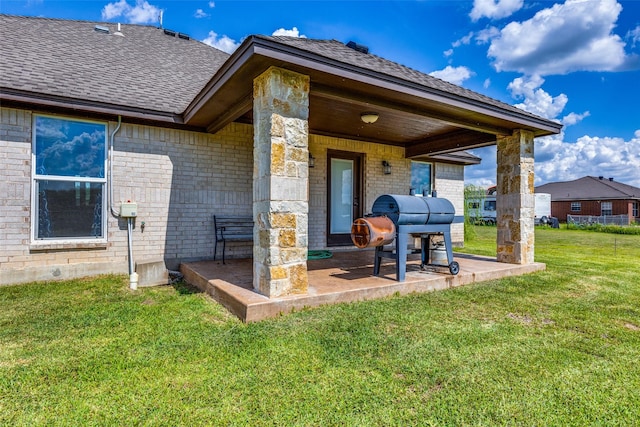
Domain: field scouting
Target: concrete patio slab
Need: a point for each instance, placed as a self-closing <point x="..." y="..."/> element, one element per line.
<point x="345" y="277"/>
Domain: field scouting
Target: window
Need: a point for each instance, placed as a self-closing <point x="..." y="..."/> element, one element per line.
<point x="636" y="209"/>
<point x="606" y="208"/>
<point x="421" y="177"/>
<point x="576" y="206"/>
<point x="69" y="161"/>
<point x="490" y="205"/>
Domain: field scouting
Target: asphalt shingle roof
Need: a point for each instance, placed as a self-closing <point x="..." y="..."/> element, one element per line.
<point x="149" y="70"/>
<point x="145" y="69"/>
<point x="338" y="51"/>
<point x="589" y="188"/>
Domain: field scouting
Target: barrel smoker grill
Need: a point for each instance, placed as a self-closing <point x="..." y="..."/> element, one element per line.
<point x="398" y="217"/>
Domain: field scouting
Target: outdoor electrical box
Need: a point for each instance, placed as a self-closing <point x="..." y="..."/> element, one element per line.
<point x="128" y="210"/>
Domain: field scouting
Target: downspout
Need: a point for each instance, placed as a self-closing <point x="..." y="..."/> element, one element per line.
<point x="113" y="135"/>
<point x="133" y="276"/>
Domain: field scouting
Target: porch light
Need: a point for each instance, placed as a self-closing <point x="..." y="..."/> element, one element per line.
<point x="369" y="117"/>
<point x="312" y="160"/>
<point x="386" y="167"/>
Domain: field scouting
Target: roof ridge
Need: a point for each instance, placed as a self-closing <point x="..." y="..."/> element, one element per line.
<point x="80" y="21"/>
<point x="616" y="186"/>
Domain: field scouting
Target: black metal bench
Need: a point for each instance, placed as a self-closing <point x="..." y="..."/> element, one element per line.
<point x="233" y="229"/>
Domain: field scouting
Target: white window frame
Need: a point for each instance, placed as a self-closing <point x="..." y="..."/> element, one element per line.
<point x="67" y="242"/>
<point x="606" y="206"/>
<point x="635" y="209"/>
<point x="576" y="206"/>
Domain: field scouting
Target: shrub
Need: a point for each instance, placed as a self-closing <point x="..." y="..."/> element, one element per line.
<point x="614" y="229"/>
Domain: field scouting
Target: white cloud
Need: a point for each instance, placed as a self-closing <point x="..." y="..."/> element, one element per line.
<point x="574" y="36"/>
<point x="487" y="83"/>
<point x="200" y="14"/>
<point x="141" y="13"/>
<point x="535" y="99"/>
<point x="494" y="9"/>
<point x="455" y="75"/>
<point x="595" y="156"/>
<point x="212" y="4"/>
<point x="448" y="52"/>
<point x="291" y="33"/>
<point x="462" y="41"/>
<point x="634" y="36"/>
<point x="574" y="118"/>
<point x="224" y="43"/>
<point x="558" y="160"/>
<point x="486" y="35"/>
<point x="114" y="10"/>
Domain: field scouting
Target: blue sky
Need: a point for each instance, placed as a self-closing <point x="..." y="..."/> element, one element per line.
<point x="574" y="61"/>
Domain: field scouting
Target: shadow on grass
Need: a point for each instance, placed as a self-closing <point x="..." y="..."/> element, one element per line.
<point x="184" y="288"/>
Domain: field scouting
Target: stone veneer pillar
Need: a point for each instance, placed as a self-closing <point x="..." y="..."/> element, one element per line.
<point x="515" y="198"/>
<point x="280" y="182"/>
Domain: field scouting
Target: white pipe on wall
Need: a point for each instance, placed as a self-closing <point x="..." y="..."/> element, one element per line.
<point x="110" y="180"/>
<point x="133" y="276"/>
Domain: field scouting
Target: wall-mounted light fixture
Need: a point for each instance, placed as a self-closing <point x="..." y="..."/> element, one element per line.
<point x="386" y="167"/>
<point x="369" y="117"/>
<point x="312" y="160"/>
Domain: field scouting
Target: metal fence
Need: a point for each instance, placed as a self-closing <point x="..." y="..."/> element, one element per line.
<point x="603" y="219"/>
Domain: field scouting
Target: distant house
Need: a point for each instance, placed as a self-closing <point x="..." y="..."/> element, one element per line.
<point x="98" y="118"/>
<point x="592" y="195"/>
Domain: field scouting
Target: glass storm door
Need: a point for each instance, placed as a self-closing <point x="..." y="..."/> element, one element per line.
<point x="344" y="195"/>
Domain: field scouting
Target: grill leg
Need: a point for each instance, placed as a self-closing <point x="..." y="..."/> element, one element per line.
<point x="425" y="243"/>
<point x="447" y="243"/>
<point x="401" y="254"/>
<point x="376" y="261"/>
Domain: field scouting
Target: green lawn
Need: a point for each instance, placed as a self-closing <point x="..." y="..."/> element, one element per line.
<point x="560" y="347"/>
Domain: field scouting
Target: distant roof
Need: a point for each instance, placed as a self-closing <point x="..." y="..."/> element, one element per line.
<point x="146" y="68"/>
<point x="589" y="188"/>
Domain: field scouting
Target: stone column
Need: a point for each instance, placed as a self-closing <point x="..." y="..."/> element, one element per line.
<point x="280" y="182"/>
<point x="515" y="198"/>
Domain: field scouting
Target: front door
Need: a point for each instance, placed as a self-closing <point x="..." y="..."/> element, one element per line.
<point x="344" y="195"/>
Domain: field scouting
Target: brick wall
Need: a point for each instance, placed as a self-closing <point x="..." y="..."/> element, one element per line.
<point x="179" y="180"/>
<point x="449" y="181"/>
<point x="15" y="185"/>
<point x="561" y="209"/>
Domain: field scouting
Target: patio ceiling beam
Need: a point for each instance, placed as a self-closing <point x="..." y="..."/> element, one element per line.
<point x="369" y="139"/>
<point x="244" y="105"/>
<point x="458" y="140"/>
<point x="368" y="102"/>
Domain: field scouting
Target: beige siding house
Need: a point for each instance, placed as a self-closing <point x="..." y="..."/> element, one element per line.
<point x="90" y="119"/>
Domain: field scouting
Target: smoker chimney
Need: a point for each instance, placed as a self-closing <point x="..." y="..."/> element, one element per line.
<point x="610" y="179"/>
<point x="601" y="178"/>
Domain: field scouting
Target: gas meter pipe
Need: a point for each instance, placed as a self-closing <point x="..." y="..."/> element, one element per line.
<point x="133" y="276"/>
